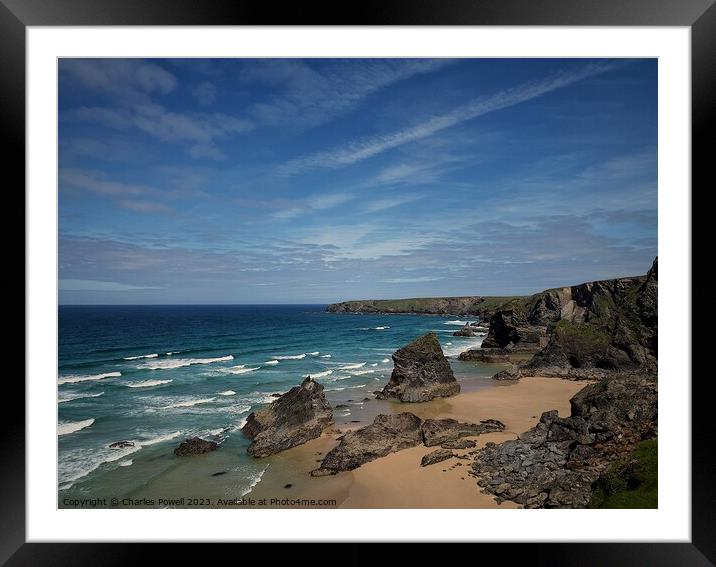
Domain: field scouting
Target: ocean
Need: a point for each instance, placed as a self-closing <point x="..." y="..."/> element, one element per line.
<point x="155" y="375"/>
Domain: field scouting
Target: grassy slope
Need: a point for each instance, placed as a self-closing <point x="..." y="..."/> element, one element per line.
<point x="635" y="488"/>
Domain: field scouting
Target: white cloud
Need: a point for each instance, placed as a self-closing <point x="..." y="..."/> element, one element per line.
<point x="362" y="149"/>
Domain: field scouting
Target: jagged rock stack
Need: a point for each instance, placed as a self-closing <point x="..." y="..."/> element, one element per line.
<point x="420" y="373"/>
<point x="299" y="415"/>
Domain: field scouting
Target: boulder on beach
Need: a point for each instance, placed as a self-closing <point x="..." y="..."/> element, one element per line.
<point x="436" y="457"/>
<point x="387" y="434"/>
<point x="438" y="431"/>
<point x="195" y="446"/>
<point x="420" y="372"/>
<point x="299" y="415"/>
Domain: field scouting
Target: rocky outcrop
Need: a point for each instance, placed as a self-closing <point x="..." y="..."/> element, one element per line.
<point x="482" y="307"/>
<point x="299" y="415"/>
<point x="513" y="329"/>
<point x="121" y="444"/>
<point x="438" y="431"/>
<point x="420" y="373"/>
<point x="489" y="355"/>
<point x="195" y="446"/>
<point x="387" y="434"/>
<point x="555" y="464"/>
<point x="436" y="457"/>
<point x="466" y="331"/>
<point x="609" y="325"/>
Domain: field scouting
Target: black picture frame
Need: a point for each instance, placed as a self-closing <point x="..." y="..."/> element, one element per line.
<point x="699" y="15"/>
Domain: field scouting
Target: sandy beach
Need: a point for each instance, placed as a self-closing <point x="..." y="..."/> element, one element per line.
<point x="398" y="480"/>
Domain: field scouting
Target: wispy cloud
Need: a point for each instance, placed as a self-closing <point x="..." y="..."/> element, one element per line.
<point x="312" y="96"/>
<point x="363" y="149"/>
<point x="312" y="204"/>
<point x="129" y="196"/>
<point x="96" y="183"/>
<point x="95" y="285"/>
<point x="390" y="202"/>
<point x="198" y="131"/>
<point x="128" y="79"/>
<point x="145" y="206"/>
<point x="205" y="93"/>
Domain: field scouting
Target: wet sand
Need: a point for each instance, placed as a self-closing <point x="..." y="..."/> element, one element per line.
<point x="398" y="480"/>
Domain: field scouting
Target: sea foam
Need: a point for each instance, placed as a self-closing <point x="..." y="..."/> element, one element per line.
<point x="318" y="374"/>
<point x="291" y="357"/>
<point x="71" y="426"/>
<point x="352" y="366"/>
<point x="72" y="396"/>
<point x="147" y="383"/>
<point x="189" y="403"/>
<point x="154" y="355"/>
<point x="181" y="362"/>
<point x="73" y="379"/>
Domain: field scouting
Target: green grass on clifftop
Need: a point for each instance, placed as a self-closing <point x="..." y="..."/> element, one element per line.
<point x="631" y="482"/>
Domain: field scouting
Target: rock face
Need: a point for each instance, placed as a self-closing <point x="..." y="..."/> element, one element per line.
<point x="554" y="464"/>
<point x="436" y="457"/>
<point x="195" y="446"/>
<point x="482" y="307"/>
<point x="608" y="324"/>
<point x="490" y="355"/>
<point x="420" y="373"/>
<point x="387" y="434"/>
<point x="438" y="431"/>
<point x="299" y="415"/>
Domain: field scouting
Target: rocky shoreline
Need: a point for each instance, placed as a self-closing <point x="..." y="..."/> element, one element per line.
<point x="602" y="332"/>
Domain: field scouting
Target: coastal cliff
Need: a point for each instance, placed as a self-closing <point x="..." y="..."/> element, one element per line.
<point x="607" y="324"/>
<point x="476" y="306"/>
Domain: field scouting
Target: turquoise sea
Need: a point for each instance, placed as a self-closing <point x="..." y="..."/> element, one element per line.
<point x="154" y="375"/>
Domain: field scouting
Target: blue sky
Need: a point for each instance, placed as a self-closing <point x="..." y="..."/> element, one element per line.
<point x="319" y="180"/>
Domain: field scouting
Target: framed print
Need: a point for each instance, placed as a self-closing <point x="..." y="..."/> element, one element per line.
<point x="292" y="278"/>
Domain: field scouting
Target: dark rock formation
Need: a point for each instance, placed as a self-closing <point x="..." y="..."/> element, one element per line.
<point x="587" y="331"/>
<point x="299" y="415"/>
<point x="195" y="446"/>
<point x="459" y="444"/>
<point x="466" y="331"/>
<point x="514" y="329"/>
<point x="482" y="307"/>
<point x="491" y="355"/>
<point x="387" y="434"/>
<point x="436" y="457"/>
<point x="555" y="463"/>
<point x="438" y="431"/>
<point x="121" y="444"/>
<point x="420" y="373"/>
